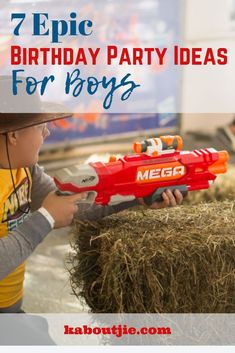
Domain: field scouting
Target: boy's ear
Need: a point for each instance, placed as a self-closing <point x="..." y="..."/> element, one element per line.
<point x="12" y="138"/>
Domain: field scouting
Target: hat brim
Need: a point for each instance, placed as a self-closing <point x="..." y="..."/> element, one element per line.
<point x="17" y="121"/>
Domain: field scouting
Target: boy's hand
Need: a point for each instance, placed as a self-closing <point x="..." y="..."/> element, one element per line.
<point x="170" y="199"/>
<point x="62" y="208"/>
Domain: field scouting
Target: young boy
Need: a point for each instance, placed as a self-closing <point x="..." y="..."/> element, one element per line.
<point x="29" y="206"/>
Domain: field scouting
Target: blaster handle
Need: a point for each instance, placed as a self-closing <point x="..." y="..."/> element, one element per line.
<point x="157" y="195"/>
<point x="91" y="195"/>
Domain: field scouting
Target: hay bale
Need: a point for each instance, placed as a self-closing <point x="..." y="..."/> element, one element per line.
<point x="179" y="260"/>
<point x="222" y="189"/>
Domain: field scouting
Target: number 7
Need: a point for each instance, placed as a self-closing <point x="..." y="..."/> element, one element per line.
<point x="20" y="16"/>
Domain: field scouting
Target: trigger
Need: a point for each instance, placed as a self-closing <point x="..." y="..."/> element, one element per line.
<point x="91" y="195"/>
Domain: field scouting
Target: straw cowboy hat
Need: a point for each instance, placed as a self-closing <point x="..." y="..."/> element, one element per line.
<point x="32" y="110"/>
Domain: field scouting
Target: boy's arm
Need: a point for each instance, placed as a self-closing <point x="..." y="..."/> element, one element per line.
<point x="42" y="185"/>
<point x="20" y="243"/>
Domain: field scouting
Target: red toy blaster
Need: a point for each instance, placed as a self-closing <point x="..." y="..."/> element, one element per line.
<point x="157" y="164"/>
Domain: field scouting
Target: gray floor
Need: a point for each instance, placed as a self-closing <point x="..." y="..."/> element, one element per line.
<point x="47" y="287"/>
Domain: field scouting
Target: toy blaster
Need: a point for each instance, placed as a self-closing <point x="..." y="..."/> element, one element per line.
<point x="157" y="164"/>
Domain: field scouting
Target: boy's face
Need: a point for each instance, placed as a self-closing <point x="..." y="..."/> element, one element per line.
<point x="30" y="142"/>
<point x="24" y="145"/>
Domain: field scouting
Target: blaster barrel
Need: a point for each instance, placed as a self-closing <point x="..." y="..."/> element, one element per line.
<point x="220" y="166"/>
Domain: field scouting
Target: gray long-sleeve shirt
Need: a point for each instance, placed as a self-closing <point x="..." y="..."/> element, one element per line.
<point x="20" y="243"/>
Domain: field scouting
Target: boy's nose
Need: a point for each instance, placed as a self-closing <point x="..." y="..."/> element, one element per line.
<point x="46" y="132"/>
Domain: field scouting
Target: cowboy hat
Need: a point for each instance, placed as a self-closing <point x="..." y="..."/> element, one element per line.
<point x="34" y="110"/>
